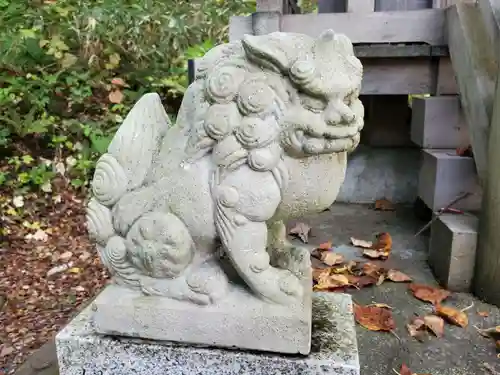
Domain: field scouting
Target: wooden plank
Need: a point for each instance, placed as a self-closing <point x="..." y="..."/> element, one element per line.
<point x="475" y="68"/>
<point x="385" y="5"/>
<point x="404" y="50"/>
<point x="425" y="26"/>
<point x="446" y="80"/>
<point x="360" y="6"/>
<point x="332" y="6"/>
<point x="486" y="281"/>
<point x="396" y="76"/>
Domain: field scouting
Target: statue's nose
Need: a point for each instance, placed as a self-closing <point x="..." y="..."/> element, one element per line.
<point x="338" y="112"/>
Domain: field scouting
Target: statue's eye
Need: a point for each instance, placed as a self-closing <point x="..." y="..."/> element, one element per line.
<point x="313" y="104"/>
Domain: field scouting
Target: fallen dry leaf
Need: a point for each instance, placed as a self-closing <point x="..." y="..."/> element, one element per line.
<point x="318" y="273"/>
<point x="325" y="246"/>
<point x="493" y="332"/>
<point x="331" y="282"/>
<point x="375" y="254"/>
<point x="383" y="242"/>
<point x="397" y="276"/>
<point x="301" y="231"/>
<point x="381" y="305"/>
<point x="453" y="315"/>
<point x="366" y="280"/>
<point x="428" y="293"/>
<point x="115" y="96"/>
<point x="331" y="259"/>
<point x="435" y="324"/>
<point x="371" y="269"/>
<point x="361" y="243"/>
<point x="384" y="205"/>
<point x="484" y="314"/>
<point x="417" y="328"/>
<point x="374" y="318"/>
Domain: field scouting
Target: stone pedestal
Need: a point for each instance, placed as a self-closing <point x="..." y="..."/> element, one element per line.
<point x="240" y="320"/>
<point x="334" y="350"/>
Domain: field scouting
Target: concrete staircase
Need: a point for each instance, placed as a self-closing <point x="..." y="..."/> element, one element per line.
<point x="439" y="128"/>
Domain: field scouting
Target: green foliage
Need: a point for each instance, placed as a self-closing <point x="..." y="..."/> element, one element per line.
<point x="70" y="70"/>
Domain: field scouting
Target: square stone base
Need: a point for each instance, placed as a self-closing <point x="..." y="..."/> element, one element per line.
<point x="334" y="350"/>
<point x="239" y="321"/>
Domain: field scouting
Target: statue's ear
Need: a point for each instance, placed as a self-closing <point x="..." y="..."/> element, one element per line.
<point x="341" y="42"/>
<point x="274" y="51"/>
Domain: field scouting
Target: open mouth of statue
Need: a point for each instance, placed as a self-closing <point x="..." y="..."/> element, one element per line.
<point x="313" y="140"/>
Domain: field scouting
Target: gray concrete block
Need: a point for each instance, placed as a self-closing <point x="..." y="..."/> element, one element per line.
<point x="334" y="350"/>
<point x="238" y="321"/>
<point x="444" y="176"/>
<point x="376" y="173"/>
<point x="437" y="122"/>
<point x="452" y="250"/>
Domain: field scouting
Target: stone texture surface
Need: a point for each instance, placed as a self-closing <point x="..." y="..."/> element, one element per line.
<point x="438" y="122"/>
<point x="236" y="321"/>
<point x="334" y="350"/>
<point x="444" y="176"/>
<point x="452" y="250"/>
<point x="262" y="135"/>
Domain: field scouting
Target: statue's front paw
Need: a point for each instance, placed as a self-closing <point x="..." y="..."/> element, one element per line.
<point x="293" y="258"/>
<point x="280" y="286"/>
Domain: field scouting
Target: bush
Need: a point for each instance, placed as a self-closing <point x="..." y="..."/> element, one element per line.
<point x="70" y="70"/>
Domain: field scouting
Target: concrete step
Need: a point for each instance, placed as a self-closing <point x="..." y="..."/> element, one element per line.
<point x="452" y="250"/>
<point x="437" y="122"/>
<point x="445" y="176"/>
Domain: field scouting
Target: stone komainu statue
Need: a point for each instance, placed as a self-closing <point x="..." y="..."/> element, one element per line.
<point x="262" y="136"/>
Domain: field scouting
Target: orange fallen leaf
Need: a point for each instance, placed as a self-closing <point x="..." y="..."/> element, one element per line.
<point x="435" y="324"/>
<point x="384" y="205"/>
<point x="371" y="269"/>
<point x="331" y="258"/>
<point x="383" y="242"/>
<point x="331" y="282"/>
<point x="484" y="314"/>
<point x="374" y="318"/>
<point x="375" y="254"/>
<point x="325" y="246"/>
<point x="365" y="281"/>
<point x="452" y="315"/>
<point x="361" y="243"/>
<point x="428" y="293"/>
<point x="301" y="231"/>
<point x="115" y="96"/>
<point x="397" y="276"/>
<point x="318" y="273"/>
